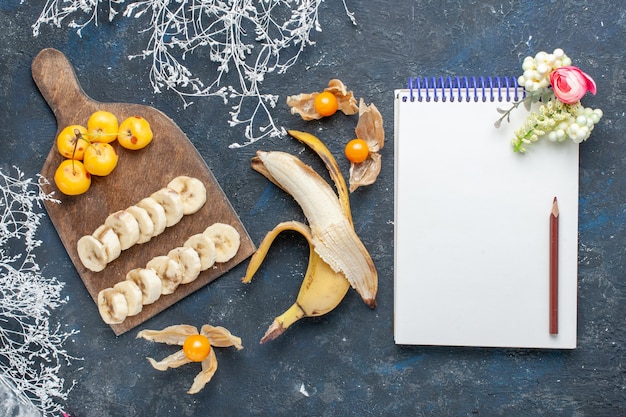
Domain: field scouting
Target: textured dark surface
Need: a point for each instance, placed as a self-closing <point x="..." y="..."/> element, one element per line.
<point x="346" y="362"/>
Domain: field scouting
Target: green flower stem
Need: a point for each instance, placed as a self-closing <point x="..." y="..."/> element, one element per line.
<point x="550" y="115"/>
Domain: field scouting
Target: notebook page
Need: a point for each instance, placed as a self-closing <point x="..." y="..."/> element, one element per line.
<point x="472" y="229"/>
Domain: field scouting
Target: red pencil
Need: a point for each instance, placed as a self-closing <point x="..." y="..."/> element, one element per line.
<point x="554" y="268"/>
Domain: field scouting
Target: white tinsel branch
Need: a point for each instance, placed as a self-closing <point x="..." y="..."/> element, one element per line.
<point x="244" y="39"/>
<point x="31" y="347"/>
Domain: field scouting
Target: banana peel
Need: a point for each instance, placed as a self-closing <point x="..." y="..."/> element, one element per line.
<point x="338" y="259"/>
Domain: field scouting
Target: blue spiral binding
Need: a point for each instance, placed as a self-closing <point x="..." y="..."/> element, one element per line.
<point x="464" y="89"/>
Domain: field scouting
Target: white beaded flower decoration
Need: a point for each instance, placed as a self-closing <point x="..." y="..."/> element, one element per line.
<point x="551" y="79"/>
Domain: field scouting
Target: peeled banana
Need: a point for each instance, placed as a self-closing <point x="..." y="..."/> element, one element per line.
<point x="93" y="253"/>
<point x="169" y="271"/>
<point x="191" y="191"/>
<point x="156" y="212"/>
<point x="141" y="222"/>
<point x="112" y="305"/>
<point x="226" y="240"/>
<point x="172" y="202"/>
<point x="144" y="222"/>
<point x="148" y="282"/>
<point x="125" y="227"/>
<point x="133" y="295"/>
<point x="337" y="259"/>
<point x="110" y="241"/>
<point x="163" y="274"/>
<point x="190" y="260"/>
<point x="205" y="247"/>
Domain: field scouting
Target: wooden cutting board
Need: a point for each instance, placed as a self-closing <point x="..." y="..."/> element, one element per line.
<point x="137" y="175"/>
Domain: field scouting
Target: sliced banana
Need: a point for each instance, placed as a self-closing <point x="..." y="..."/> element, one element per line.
<point x="189" y="261"/>
<point x="205" y="248"/>
<point x="112" y="306"/>
<point x="148" y="282"/>
<point x="156" y="213"/>
<point x="125" y="227"/>
<point x="133" y="295"/>
<point x="172" y="203"/>
<point x="226" y="240"/>
<point x="169" y="271"/>
<point x="192" y="192"/>
<point x="109" y="239"/>
<point x="92" y="253"/>
<point x="146" y="226"/>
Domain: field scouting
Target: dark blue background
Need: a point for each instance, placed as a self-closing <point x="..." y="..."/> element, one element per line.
<point x="346" y="362"/>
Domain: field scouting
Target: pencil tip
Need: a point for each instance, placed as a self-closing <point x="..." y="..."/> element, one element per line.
<point x="555" y="207"/>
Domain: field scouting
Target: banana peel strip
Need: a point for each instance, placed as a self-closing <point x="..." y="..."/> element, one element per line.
<point x="259" y="256"/>
<point x="329" y="160"/>
<point x="175" y="335"/>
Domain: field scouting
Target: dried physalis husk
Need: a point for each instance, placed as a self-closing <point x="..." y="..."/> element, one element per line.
<point x="303" y="104"/>
<point x="370" y="129"/>
<point x="176" y="335"/>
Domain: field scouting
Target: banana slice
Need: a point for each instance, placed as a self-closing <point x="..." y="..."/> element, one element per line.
<point x="192" y="191"/>
<point x="146" y="226"/>
<point x="133" y="295"/>
<point x="205" y="248"/>
<point x="125" y="227"/>
<point x="189" y="261"/>
<point x="226" y="240"/>
<point x="148" y="282"/>
<point x="172" y="203"/>
<point x="112" y="306"/>
<point x="169" y="271"/>
<point x="92" y="253"/>
<point x="109" y="239"/>
<point x="156" y="213"/>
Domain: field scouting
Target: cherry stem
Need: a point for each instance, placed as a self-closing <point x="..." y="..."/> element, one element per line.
<point x="78" y="137"/>
<point x="73" y="167"/>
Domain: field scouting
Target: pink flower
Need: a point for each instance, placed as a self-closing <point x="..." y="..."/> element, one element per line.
<point x="570" y="84"/>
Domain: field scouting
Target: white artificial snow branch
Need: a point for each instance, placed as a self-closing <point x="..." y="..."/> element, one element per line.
<point x="245" y="40"/>
<point x="31" y="347"/>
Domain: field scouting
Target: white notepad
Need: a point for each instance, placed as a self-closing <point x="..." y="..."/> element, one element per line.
<point x="472" y="225"/>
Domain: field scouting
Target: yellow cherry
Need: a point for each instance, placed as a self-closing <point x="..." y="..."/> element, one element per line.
<point x="100" y="159"/>
<point x="102" y="126"/>
<point x="134" y="133"/>
<point x="72" y="142"/>
<point x="71" y="177"/>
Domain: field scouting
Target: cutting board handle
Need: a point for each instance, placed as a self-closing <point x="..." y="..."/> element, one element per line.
<point x="55" y="77"/>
